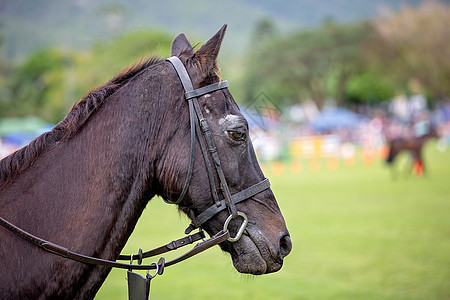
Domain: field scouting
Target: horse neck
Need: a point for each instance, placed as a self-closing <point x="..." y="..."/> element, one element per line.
<point x="86" y="193"/>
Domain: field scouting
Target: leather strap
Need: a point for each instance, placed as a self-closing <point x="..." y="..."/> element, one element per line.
<point x="64" y="252"/>
<point x="182" y="73"/>
<point x="206" y="158"/>
<point x="198" y="248"/>
<point x="187" y="83"/>
<point x="236" y="198"/>
<point x="166" y="248"/>
<point x="191" y="157"/>
<point x="213" y="152"/>
<point x="197" y="122"/>
<point x="207" y="145"/>
<point x="206" y="90"/>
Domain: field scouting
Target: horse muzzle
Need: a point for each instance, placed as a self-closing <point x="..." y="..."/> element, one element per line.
<point x="256" y="253"/>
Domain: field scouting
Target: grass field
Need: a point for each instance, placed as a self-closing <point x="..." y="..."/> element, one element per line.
<point x="357" y="234"/>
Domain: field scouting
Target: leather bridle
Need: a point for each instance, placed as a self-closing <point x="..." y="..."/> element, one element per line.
<point x="198" y="125"/>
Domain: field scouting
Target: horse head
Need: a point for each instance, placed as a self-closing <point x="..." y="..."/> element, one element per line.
<point x="265" y="241"/>
<point x="85" y="183"/>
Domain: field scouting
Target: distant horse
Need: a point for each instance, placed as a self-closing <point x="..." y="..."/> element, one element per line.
<point x="414" y="145"/>
<point x="84" y="184"/>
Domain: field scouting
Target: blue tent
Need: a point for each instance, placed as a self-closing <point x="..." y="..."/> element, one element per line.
<point x="21" y="131"/>
<point x="19" y="138"/>
<point x="336" y="118"/>
<point x="254" y="119"/>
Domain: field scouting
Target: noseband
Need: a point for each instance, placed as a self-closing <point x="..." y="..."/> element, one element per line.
<point x="199" y="125"/>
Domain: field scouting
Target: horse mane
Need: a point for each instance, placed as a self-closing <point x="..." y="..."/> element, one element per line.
<point x="20" y="160"/>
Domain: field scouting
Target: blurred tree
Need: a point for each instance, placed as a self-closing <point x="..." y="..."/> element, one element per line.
<point x="415" y="44"/>
<point x="313" y="64"/>
<point x="113" y="16"/>
<point x="360" y="62"/>
<point x="50" y="81"/>
<point x="5" y="70"/>
<point x="368" y="88"/>
<point x="36" y="86"/>
<point x="107" y="59"/>
<point x="264" y="30"/>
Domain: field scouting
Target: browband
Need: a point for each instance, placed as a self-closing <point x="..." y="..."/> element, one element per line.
<point x="206" y="89"/>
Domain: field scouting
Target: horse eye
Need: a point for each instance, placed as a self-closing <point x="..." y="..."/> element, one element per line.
<point x="236" y="135"/>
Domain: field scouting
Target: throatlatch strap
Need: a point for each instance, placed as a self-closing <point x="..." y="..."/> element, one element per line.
<point x="191" y="156"/>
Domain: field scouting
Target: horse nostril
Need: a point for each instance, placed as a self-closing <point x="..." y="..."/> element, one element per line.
<point x="285" y="245"/>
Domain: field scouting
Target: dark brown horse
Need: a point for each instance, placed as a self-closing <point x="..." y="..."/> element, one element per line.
<point x="85" y="184"/>
<point x="414" y="145"/>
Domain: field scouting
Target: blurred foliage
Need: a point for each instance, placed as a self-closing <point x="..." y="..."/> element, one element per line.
<point x="107" y="59"/>
<point x="367" y="62"/>
<point x="313" y="64"/>
<point x="414" y="45"/>
<point x="36" y="87"/>
<point x="368" y="88"/>
<point x="51" y="80"/>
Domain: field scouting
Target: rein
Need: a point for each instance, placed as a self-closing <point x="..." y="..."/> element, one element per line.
<point x="200" y="130"/>
<point x="66" y="253"/>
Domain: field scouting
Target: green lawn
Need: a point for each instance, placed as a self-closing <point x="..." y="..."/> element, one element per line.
<point x="357" y="234"/>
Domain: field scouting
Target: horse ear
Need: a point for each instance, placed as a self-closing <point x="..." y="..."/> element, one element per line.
<point x="209" y="51"/>
<point x="181" y="45"/>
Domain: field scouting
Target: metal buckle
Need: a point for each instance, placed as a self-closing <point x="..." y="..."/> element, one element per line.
<point x="241" y="229"/>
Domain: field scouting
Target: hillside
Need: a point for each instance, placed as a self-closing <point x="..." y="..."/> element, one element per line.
<point x="29" y="25"/>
